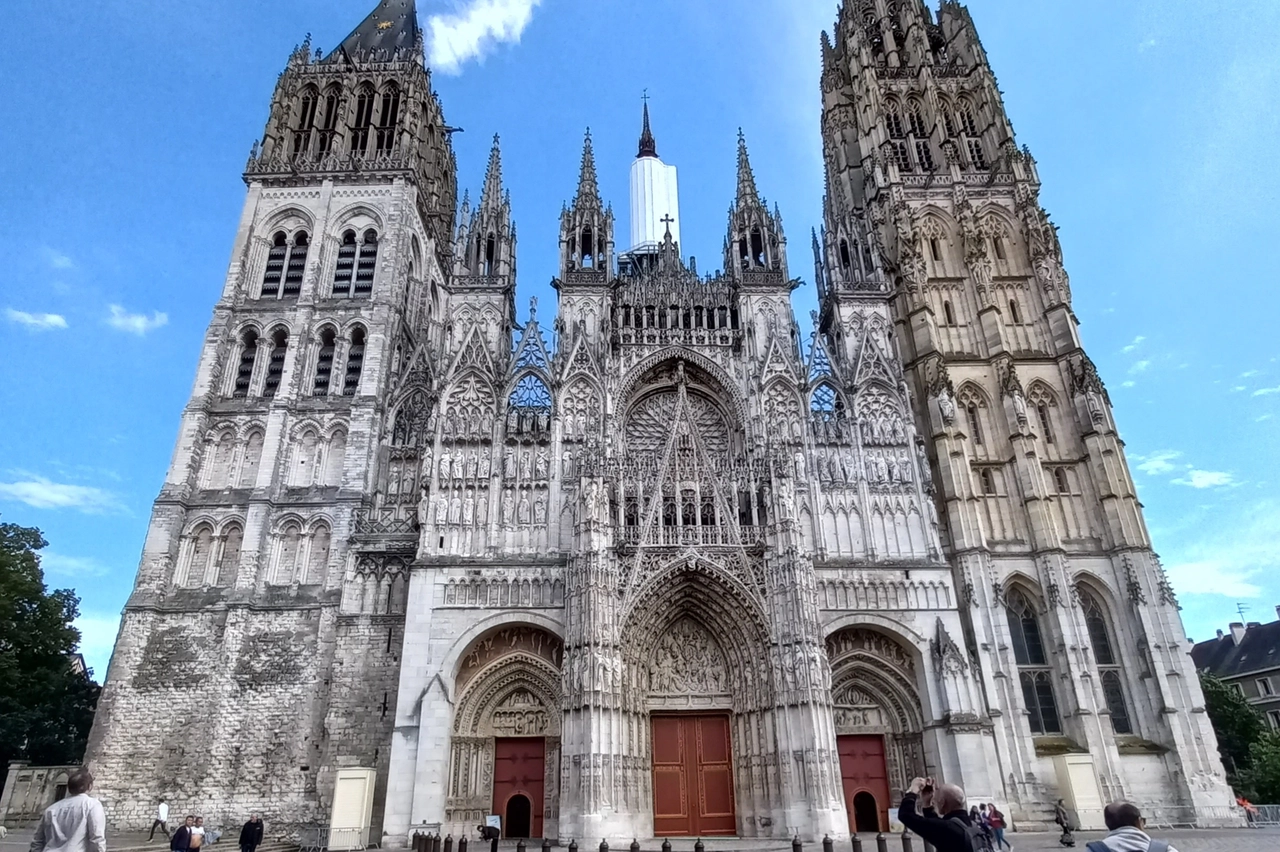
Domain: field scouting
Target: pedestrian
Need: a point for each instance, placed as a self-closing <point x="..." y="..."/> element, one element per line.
<point x="161" y="821"/>
<point x="75" y="824"/>
<point x="953" y="831"/>
<point x="976" y="817"/>
<point x="1063" y="819"/>
<point x="197" y="834"/>
<point x="996" y="820"/>
<point x="251" y="834"/>
<point x="181" y="840"/>
<point x="1126" y="825"/>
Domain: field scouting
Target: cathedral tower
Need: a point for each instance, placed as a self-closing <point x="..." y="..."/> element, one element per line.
<point x="1082" y="653"/>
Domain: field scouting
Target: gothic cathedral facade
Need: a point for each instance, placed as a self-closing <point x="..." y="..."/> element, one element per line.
<point x="671" y="566"/>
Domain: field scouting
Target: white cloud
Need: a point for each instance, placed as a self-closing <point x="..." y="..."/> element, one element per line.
<point x="1205" y="479"/>
<point x="1134" y="345"/>
<point x="1261" y="418"/>
<point x="1128" y="384"/>
<point x="138" y="324"/>
<point x="1157" y="463"/>
<point x="41" y="493"/>
<point x="473" y="30"/>
<point x="71" y="566"/>
<point x="1266" y="391"/>
<point x="1146" y="44"/>
<point x="1139" y="367"/>
<point x="97" y="639"/>
<point x="57" y="259"/>
<point x="1212" y="577"/>
<point x="37" y="322"/>
<point x="1238" y="388"/>
<point x="1249" y="374"/>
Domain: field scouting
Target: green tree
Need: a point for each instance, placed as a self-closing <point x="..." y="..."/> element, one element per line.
<point x="46" y="706"/>
<point x="1261" y="781"/>
<point x="1237" y="725"/>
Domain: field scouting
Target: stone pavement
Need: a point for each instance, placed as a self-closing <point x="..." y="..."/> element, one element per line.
<point x="1184" y="840"/>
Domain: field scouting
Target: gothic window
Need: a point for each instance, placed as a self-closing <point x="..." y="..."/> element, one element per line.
<point x="296" y="266"/>
<point x="1042" y="400"/>
<point x="318" y="556"/>
<point x="588" y="249"/>
<point x="306" y="120"/>
<point x="668" y="508"/>
<point x="334" y="457"/>
<point x="355" y="362"/>
<point x="826" y="400"/>
<point x="631" y="511"/>
<point x="976" y="155"/>
<point x="924" y="156"/>
<point x="1060" y="482"/>
<point x="987" y="480"/>
<point x="252" y="458"/>
<point x="229" y="559"/>
<point x="529" y="405"/>
<point x="199" y="552"/>
<point x="324" y="362"/>
<point x="915" y="119"/>
<point x="844" y="253"/>
<point x="328" y="121"/>
<point x="388" y="117"/>
<point x="935" y="251"/>
<point x="893" y="119"/>
<point x="899" y="155"/>
<point x="975" y="422"/>
<point x="366" y="264"/>
<point x="708" y="509"/>
<point x="948" y="118"/>
<point x="216" y="470"/>
<point x="967" y="121"/>
<point x="757" y="247"/>
<point x="248" y="356"/>
<point x="275" y="363"/>
<point x="275" y="265"/>
<point x="688" y="507"/>
<point x="1033" y="672"/>
<point x="345" y="269"/>
<point x="490" y="254"/>
<point x="1014" y="316"/>
<point x="997" y="243"/>
<point x="1108" y="663"/>
<point x="363" y="119"/>
<point x="305" y="456"/>
<point x="1046" y="422"/>
<point x="288" y="545"/>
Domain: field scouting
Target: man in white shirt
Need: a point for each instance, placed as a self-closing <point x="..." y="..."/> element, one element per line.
<point x="162" y="818"/>
<point x="75" y="824"/>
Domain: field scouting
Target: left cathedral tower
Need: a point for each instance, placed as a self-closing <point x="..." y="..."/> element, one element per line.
<point x="235" y="681"/>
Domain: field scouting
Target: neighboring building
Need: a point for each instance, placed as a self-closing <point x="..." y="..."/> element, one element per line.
<point x="686" y="547"/>
<point x="28" y="790"/>
<point x="1248" y="658"/>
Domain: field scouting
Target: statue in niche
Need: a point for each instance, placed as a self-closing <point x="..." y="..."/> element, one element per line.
<point x="947" y="406"/>
<point x="508" y="508"/>
<point x="513" y="421"/>
<point x="899" y="431"/>
<point x="486" y="463"/>
<point x="566" y="465"/>
<point x="544" y="422"/>
<point x="1020" y="407"/>
<point x="455" y="510"/>
<point x="800" y="466"/>
<point x="541" y="465"/>
<point x="459" y="466"/>
<point x="540" y="510"/>
<point x="444" y="466"/>
<point x="526" y="466"/>
<point x="1093" y="400"/>
<point x="424" y="507"/>
<point x="473" y="464"/>
<point x="469" y="509"/>
<point x="442" y="510"/>
<point x="509" y="463"/>
<point x="891" y="473"/>
<point x="522" y="509"/>
<point x="428" y="465"/>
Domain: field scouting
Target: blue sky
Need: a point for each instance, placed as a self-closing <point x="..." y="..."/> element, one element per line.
<point x="125" y="125"/>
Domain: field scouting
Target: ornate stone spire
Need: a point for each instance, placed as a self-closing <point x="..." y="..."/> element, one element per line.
<point x="588" y="189"/>
<point x="648" y="145"/>
<point x="491" y="195"/>
<point x="747" y="193"/>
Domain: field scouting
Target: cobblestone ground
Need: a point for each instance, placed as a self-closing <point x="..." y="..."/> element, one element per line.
<point x="1184" y="840"/>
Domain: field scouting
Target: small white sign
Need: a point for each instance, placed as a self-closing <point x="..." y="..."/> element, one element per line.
<point x="493" y="821"/>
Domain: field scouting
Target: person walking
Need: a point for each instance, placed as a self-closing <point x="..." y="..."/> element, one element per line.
<point x="181" y="840"/>
<point x="75" y="824"/>
<point x="161" y="821"/>
<point x="996" y="820"/>
<point x="953" y="831"/>
<point x="251" y="834"/>
<point x="1126" y="825"/>
<point x="1063" y="819"/>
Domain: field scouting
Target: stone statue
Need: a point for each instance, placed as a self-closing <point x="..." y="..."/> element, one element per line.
<point x="541" y="466"/>
<point x="509" y="463"/>
<point x="540" y="510"/>
<point x="442" y="510"/>
<point x="526" y="466"/>
<point x="444" y="466"/>
<point x="508" y="508"/>
<point x="1020" y="407"/>
<point x="455" y="510"/>
<point x="800" y="466"/>
<point x="469" y="510"/>
<point x="522" y="510"/>
<point x="486" y="463"/>
<point x="947" y="406"/>
<point x="473" y="464"/>
<point x="566" y="465"/>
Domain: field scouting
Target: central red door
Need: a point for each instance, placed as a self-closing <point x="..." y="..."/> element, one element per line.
<point x="519" y="773"/>
<point x="692" y="776"/>
<point x="866" y="781"/>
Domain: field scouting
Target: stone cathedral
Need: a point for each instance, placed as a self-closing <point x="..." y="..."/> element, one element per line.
<point x="671" y="564"/>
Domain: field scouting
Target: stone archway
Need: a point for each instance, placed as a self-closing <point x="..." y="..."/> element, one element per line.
<point x="507" y="718"/>
<point x="878" y="718"/>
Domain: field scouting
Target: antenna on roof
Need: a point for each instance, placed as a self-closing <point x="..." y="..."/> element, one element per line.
<point x="1242" y="608"/>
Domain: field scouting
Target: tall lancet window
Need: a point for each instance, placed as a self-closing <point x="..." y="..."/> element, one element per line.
<point x="306" y="120"/>
<point x="363" y="120"/>
<point x="357" y="261"/>
<point x="275" y="364"/>
<point x="388" y="117"/>
<point x="1034" y="673"/>
<point x="248" y="357"/>
<point x="1108" y="663"/>
<point x="355" y="363"/>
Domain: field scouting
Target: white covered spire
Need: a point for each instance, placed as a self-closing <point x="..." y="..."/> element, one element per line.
<point x="655" y="204"/>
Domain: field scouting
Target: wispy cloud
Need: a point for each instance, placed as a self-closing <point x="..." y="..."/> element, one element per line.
<point x="1195" y="478"/>
<point x="1139" y="367"/>
<point x="1230" y="558"/>
<point x="1128" y="384"/>
<point x="1261" y="418"/>
<point x="42" y="493"/>
<point x="1146" y="44"/>
<point x="1249" y="374"/>
<point x="71" y="566"/>
<point x="1137" y="341"/>
<point x="138" y="324"/>
<point x="57" y="259"/>
<point x="1266" y="391"/>
<point x="474" y="30"/>
<point x="1213" y="577"/>
<point x="1157" y="463"/>
<point x="36" y="322"/>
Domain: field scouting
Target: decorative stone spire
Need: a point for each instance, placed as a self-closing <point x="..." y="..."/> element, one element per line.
<point x="491" y="195"/>
<point x="648" y="145"/>
<point x="747" y="193"/>
<point x="588" y="189"/>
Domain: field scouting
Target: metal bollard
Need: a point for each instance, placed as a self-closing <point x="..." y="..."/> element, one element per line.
<point x="857" y="843"/>
<point x="635" y="845"/>
<point x="462" y="843"/>
<point x="573" y="845"/>
<point x="698" y="847"/>
<point x="546" y="844"/>
<point x="827" y="844"/>
<point x="520" y="847"/>
<point x="437" y="843"/>
<point x="882" y="842"/>
<point x="796" y="845"/>
<point x="448" y="843"/>
<point x="604" y="845"/>
<point x="666" y="846"/>
<point x="906" y="842"/>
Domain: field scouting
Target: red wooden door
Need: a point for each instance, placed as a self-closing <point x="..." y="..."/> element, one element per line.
<point x="692" y="776"/>
<point x="519" y="770"/>
<point x="863" y="772"/>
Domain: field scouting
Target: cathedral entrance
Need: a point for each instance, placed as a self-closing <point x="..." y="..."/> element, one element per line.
<point x="692" y="776"/>
<point x="864" y="775"/>
<point x="519" y="769"/>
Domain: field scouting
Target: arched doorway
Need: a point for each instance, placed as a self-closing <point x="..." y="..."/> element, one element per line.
<point x="878" y="719"/>
<point x="517" y="822"/>
<point x="866" y="812"/>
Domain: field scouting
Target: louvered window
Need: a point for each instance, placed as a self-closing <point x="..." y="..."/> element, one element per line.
<point x="248" y="356"/>
<point x="275" y="266"/>
<point x="366" y="264"/>
<point x="324" y="363"/>
<point x="275" y="364"/>
<point x="296" y="267"/>
<point x="355" y="363"/>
